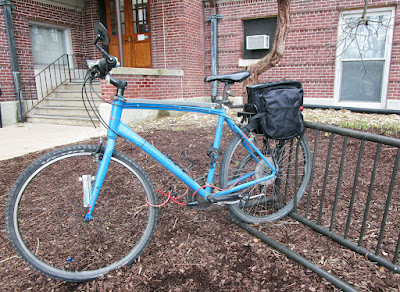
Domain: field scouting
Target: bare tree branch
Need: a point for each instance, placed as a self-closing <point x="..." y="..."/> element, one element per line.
<point x="364" y="15"/>
<point x="278" y="49"/>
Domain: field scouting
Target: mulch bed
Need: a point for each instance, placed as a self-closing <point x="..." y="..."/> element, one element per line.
<point x="203" y="251"/>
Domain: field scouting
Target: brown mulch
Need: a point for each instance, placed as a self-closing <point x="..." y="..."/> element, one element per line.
<point x="203" y="251"/>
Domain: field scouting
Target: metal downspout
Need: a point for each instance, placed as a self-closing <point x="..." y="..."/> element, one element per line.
<point x="7" y="6"/>
<point x="1" y="121"/>
<point x="214" y="51"/>
<point x="119" y="31"/>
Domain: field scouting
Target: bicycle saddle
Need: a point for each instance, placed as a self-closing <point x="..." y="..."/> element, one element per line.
<point x="229" y="78"/>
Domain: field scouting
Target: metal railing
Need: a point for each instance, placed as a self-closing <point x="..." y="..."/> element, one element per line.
<point x="371" y="201"/>
<point x="66" y="68"/>
<point x="353" y="197"/>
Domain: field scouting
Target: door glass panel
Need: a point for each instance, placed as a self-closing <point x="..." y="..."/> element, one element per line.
<point x="134" y="17"/>
<point x="122" y="14"/>
<point x="113" y="18"/>
<point x="140" y="16"/>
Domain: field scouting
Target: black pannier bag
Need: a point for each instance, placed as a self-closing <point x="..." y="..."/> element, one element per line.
<point x="278" y="106"/>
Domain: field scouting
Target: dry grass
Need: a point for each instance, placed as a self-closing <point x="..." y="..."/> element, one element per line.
<point x="386" y="124"/>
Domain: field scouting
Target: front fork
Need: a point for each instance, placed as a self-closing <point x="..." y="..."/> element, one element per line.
<point x="101" y="174"/>
<point x="105" y="161"/>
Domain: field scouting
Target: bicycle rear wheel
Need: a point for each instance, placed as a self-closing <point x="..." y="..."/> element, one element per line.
<point x="275" y="198"/>
<point x="45" y="210"/>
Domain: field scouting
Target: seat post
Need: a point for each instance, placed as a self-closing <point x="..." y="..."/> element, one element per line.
<point x="226" y="92"/>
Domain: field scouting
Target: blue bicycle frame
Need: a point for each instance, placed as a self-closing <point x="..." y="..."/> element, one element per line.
<point x="116" y="127"/>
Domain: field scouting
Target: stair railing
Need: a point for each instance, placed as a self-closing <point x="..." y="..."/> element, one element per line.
<point x="66" y="68"/>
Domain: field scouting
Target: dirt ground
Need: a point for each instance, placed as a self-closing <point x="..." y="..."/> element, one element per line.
<point x="203" y="251"/>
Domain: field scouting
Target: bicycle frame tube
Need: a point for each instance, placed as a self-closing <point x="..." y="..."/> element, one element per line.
<point x="216" y="144"/>
<point x="116" y="127"/>
<point x="249" y="145"/>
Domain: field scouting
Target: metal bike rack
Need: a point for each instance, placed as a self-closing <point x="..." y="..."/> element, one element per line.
<point x="364" y="217"/>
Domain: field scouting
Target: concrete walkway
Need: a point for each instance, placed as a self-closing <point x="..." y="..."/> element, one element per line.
<point x="20" y="139"/>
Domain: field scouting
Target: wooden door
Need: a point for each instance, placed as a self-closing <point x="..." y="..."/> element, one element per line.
<point x="135" y="28"/>
<point x="141" y="33"/>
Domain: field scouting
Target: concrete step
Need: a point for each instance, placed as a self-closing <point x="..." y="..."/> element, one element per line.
<point x="62" y="120"/>
<point x="78" y="86"/>
<point x="67" y="101"/>
<point x="66" y="107"/>
<point x="71" y="93"/>
<point x="79" y="111"/>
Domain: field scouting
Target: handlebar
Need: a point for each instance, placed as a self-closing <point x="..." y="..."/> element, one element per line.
<point x="106" y="64"/>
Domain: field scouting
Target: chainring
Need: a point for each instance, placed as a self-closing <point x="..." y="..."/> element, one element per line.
<point x="202" y="203"/>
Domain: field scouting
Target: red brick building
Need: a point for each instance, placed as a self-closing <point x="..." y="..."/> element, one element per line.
<point x="166" y="46"/>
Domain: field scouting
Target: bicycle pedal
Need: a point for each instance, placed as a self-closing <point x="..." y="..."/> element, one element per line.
<point x="192" y="204"/>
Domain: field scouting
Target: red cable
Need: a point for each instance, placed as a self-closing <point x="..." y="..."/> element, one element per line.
<point x="169" y="197"/>
<point x="174" y="199"/>
<point x="205" y="186"/>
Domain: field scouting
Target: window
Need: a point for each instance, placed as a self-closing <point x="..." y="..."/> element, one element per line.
<point x="363" y="57"/>
<point x="258" y="27"/>
<point x="48" y="43"/>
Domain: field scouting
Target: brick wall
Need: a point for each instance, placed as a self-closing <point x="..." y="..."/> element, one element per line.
<point x="310" y="50"/>
<point x="90" y="16"/>
<point x="181" y="40"/>
<point x="311" y="44"/>
<point x="230" y="33"/>
<point x="193" y="48"/>
<point x="177" y="43"/>
<point x="79" y="22"/>
<point x="152" y="87"/>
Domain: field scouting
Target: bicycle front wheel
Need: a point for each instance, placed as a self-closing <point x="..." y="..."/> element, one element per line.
<point x="45" y="210"/>
<point x="275" y="198"/>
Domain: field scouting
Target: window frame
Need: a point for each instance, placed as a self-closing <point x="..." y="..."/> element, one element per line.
<point x="390" y="11"/>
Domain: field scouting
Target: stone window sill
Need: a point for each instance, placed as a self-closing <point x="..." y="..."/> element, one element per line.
<point x="146" y="71"/>
<point x="247" y="62"/>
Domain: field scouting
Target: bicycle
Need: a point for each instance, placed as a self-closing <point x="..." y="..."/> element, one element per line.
<point x="81" y="211"/>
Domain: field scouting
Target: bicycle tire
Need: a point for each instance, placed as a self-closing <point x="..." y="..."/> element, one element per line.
<point x="273" y="199"/>
<point x="45" y="209"/>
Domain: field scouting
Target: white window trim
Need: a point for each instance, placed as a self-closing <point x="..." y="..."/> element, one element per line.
<point x="388" y="53"/>
<point x="68" y="39"/>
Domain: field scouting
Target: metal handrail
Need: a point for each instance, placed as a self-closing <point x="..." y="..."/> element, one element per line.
<point x="65" y="68"/>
